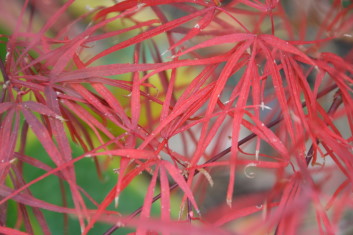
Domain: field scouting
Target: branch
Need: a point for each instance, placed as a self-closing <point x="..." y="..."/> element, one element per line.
<point x="226" y="151"/>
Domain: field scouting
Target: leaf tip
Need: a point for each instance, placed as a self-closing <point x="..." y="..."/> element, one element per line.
<point x="116" y="201"/>
<point x="229" y="202"/>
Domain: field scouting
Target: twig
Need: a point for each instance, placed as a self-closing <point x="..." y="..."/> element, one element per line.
<point x="222" y="154"/>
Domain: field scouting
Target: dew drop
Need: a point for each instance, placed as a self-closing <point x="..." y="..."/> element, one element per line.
<point x="7" y="55"/>
<point x="294" y="117"/>
<point x="197" y="26"/>
<point x="89" y="8"/>
<point x="257" y="152"/>
<point x="120" y="224"/>
<point x="140" y="5"/>
<point x="347" y="35"/>
<point x="263" y="106"/>
<point x="164" y="52"/>
<point x="109" y="115"/>
<point x="259" y="206"/>
<point x="191" y="214"/>
<point x="60" y="118"/>
<point x="6" y="84"/>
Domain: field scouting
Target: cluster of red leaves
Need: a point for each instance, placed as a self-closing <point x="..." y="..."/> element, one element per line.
<point x="222" y="68"/>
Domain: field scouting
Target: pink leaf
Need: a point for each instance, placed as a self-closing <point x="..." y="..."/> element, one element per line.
<point x="280" y="44"/>
<point x="128" y="153"/>
<point x="149" y="34"/>
<point x="147" y="204"/>
<point x="179" y="179"/>
<point x="165" y="195"/>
